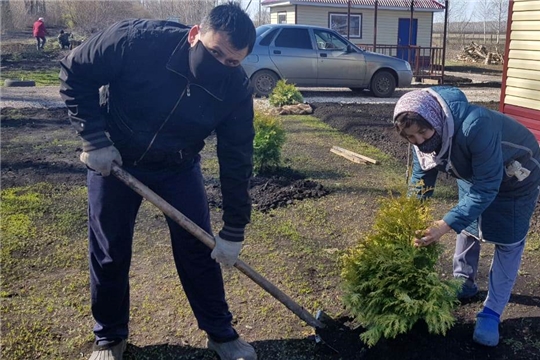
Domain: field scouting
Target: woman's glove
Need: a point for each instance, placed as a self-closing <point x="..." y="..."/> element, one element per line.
<point x="101" y="159"/>
<point x="226" y="252"/>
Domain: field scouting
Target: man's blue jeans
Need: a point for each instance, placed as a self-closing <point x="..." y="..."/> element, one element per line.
<point x="112" y="209"/>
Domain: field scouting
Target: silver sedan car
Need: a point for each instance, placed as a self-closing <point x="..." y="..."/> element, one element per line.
<point x="311" y="56"/>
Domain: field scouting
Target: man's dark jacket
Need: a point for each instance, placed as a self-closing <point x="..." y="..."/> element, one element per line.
<point x="157" y="114"/>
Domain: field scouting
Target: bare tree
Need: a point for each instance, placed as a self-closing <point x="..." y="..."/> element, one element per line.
<point x="91" y="16"/>
<point x="500" y="8"/>
<point x="35" y="7"/>
<point x="188" y="12"/>
<point x="261" y="18"/>
<point x="6" y="16"/>
<point x="484" y="11"/>
<point x="459" y="18"/>
<point x="20" y="16"/>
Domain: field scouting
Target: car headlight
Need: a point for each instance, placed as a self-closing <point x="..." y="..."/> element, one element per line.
<point x="407" y="65"/>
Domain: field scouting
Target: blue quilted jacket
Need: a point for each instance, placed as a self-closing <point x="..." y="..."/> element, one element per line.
<point x="493" y="206"/>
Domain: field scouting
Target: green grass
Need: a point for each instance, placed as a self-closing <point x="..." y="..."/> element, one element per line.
<point x="533" y="243"/>
<point x="42" y="247"/>
<point x="45" y="288"/>
<point x="47" y="77"/>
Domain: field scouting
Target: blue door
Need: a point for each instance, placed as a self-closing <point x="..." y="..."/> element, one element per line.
<point x="403" y="38"/>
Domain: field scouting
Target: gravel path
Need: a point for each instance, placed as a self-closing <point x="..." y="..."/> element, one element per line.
<point x="48" y="96"/>
<point x="313" y="95"/>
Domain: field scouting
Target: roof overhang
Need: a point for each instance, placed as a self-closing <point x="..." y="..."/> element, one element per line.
<point x="277" y="3"/>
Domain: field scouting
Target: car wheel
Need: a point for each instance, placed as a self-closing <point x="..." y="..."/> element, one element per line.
<point x="264" y="81"/>
<point x="383" y="84"/>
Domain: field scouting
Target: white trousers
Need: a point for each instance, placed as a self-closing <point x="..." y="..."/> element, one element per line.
<point x="502" y="274"/>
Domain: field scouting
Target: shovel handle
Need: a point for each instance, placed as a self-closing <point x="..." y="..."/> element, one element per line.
<point x="208" y="240"/>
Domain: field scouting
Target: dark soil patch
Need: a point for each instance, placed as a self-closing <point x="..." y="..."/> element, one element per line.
<point x="60" y="164"/>
<point x="370" y="123"/>
<point x="272" y="192"/>
<point x="483" y="70"/>
<point x="18" y="56"/>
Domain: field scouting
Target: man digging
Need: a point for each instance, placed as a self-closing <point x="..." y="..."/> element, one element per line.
<point x="169" y="88"/>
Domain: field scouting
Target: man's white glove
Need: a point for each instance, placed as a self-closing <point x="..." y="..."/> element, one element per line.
<point x="226" y="252"/>
<point x="101" y="159"/>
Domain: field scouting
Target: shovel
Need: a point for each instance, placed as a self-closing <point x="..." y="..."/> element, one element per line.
<point x="208" y="240"/>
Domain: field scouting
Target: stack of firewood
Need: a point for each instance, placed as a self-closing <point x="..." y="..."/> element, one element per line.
<point x="478" y="53"/>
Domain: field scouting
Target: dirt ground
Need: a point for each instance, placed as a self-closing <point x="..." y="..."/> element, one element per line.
<point x="49" y="153"/>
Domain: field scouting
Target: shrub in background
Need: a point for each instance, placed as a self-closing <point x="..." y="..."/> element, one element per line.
<point x="390" y="284"/>
<point x="285" y="94"/>
<point x="268" y="142"/>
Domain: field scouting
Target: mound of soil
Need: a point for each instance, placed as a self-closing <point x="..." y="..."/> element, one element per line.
<point x="272" y="192"/>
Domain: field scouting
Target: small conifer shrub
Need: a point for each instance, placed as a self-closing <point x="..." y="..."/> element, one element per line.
<point x="389" y="284"/>
<point x="268" y="142"/>
<point x="285" y="94"/>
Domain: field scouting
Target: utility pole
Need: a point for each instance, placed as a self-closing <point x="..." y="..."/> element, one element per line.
<point x="260" y="13"/>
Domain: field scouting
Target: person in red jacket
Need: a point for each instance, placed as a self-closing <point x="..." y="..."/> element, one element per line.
<point x="39" y="33"/>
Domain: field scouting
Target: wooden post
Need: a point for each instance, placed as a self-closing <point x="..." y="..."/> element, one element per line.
<point x="445" y="30"/>
<point x="411" y="31"/>
<point x="348" y="19"/>
<point x="375" y="27"/>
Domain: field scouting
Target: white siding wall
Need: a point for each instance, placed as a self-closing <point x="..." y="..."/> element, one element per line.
<point x="387" y="28"/>
<point x="523" y="74"/>
<point x="274" y="14"/>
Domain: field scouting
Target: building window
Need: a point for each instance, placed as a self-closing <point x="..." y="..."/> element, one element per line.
<point x="338" y="22"/>
<point x="282" y="17"/>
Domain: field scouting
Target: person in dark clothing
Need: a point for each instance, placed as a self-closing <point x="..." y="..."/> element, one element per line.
<point x="169" y="87"/>
<point x="63" y="39"/>
<point x="39" y="33"/>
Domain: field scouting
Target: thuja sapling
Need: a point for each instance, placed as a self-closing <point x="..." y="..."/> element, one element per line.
<point x="268" y="142"/>
<point x="390" y="284"/>
<point x="285" y="94"/>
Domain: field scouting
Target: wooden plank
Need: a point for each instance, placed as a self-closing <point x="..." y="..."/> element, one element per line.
<point x="524" y="64"/>
<point x="524" y="45"/>
<point x="348" y="157"/>
<point x="524" y="54"/>
<point x="523" y="74"/>
<point x="526" y="6"/>
<point x="348" y="152"/>
<point x="525" y="25"/>
<point x="526" y="103"/>
<point x="527" y="35"/>
<point x="524" y="83"/>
